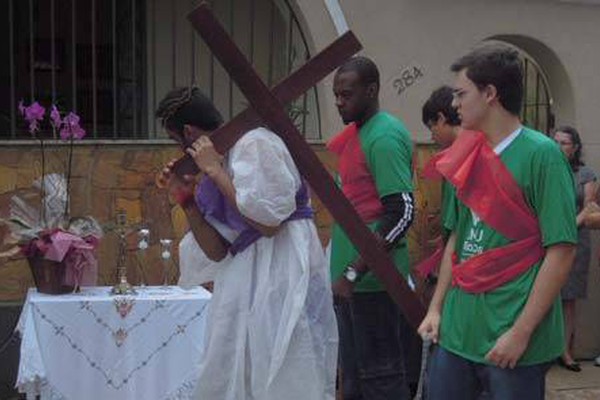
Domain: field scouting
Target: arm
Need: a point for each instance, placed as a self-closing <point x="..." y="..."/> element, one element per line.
<point x="592" y="215"/>
<point x="397" y="217"/>
<point x="590" y="191"/>
<point x="225" y="185"/>
<point x="182" y="191"/>
<point x="430" y="326"/>
<point x="552" y="275"/>
<point x="210" y="161"/>
<point x="208" y="238"/>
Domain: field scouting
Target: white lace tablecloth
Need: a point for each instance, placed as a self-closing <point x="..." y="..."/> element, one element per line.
<point x="92" y="345"/>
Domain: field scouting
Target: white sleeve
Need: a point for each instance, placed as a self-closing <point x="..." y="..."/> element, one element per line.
<point x="265" y="177"/>
<point x="195" y="267"/>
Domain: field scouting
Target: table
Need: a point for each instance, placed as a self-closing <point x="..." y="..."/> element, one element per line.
<point x="92" y="345"/>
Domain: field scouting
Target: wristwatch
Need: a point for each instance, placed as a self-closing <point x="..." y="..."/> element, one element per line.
<point x="351" y="274"/>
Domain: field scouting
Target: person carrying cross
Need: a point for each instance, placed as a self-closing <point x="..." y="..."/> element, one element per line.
<point x="271" y="330"/>
<point x="496" y="311"/>
<point x="375" y="174"/>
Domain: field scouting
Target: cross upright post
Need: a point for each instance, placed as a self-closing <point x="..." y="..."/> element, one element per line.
<point x="271" y="111"/>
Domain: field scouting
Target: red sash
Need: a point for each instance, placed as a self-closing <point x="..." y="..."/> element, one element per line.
<point x="357" y="182"/>
<point x="487" y="187"/>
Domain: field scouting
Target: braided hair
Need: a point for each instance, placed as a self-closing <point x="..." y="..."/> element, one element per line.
<point x="188" y="106"/>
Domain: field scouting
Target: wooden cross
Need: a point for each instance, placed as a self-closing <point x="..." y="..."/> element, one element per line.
<point x="267" y="107"/>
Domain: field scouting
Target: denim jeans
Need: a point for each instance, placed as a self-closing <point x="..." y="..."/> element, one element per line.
<point x="371" y="352"/>
<point x="452" y="377"/>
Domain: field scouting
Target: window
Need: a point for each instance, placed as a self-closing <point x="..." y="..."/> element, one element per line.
<point x="79" y="54"/>
<point x="112" y="61"/>
<point x="537" y="101"/>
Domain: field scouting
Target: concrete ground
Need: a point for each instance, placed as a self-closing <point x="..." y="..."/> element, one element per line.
<point x="562" y="384"/>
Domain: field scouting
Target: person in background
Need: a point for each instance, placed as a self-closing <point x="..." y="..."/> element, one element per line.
<point x="586" y="189"/>
<point x="440" y="117"/>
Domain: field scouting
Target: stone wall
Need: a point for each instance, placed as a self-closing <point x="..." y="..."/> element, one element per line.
<point x="109" y="177"/>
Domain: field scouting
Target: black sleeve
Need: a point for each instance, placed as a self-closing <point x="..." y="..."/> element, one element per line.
<point x="398" y="214"/>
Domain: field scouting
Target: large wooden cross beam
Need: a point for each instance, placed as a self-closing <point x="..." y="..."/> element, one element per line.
<point x="271" y="111"/>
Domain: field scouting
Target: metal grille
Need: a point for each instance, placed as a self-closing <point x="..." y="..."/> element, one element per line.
<point x="537" y="103"/>
<point x="112" y="61"/>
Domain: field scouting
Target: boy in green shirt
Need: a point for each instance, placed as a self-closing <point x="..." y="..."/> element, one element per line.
<point x="502" y="340"/>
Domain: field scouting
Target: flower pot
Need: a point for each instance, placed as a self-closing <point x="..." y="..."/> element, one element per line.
<point x="49" y="276"/>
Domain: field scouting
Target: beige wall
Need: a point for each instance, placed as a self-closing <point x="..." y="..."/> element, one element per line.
<point x="112" y="176"/>
<point x="430" y="34"/>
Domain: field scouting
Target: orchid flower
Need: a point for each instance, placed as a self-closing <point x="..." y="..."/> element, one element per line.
<point x="32" y="114"/>
<point x="55" y="117"/>
<point x="71" y="128"/>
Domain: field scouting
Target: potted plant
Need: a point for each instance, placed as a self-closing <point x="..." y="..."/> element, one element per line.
<point x="60" y="249"/>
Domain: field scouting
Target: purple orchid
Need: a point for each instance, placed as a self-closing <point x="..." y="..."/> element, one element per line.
<point x="32" y="114"/>
<point x="71" y="128"/>
<point x="55" y="117"/>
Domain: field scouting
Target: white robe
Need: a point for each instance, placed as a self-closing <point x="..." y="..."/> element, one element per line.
<point x="271" y="329"/>
<point x="195" y="268"/>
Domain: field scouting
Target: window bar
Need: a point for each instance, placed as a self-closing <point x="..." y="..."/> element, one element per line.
<point x="525" y="100"/>
<point x="153" y="47"/>
<point x="305" y="98"/>
<point x="314" y="88"/>
<point x="290" y="43"/>
<point x="193" y="41"/>
<point x="11" y="58"/>
<point x="271" y="43"/>
<point x="74" y="57"/>
<point x="53" y="50"/>
<point x="537" y="98"/>
<point x="134" y="66"/>
<point x="31" y="53"/>
<point x="252" y="18"/>
<point x="232" y="34"/>
<point x="212" y="75"/>
<point x="174" y="41"/>
<point x="114" y="67"/>
<point x="94" y="81"/>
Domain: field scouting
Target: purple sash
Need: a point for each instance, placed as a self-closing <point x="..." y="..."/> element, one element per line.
<point x="211" y="202"/>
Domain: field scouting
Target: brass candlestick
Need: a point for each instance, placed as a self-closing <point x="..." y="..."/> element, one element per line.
<point x="122" y="286"/>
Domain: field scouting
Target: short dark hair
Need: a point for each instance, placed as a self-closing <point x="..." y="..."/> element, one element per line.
<point x="364" y="67"/>
<point x="577" y="160"/>
<point x="497" y="65"/>
<point x="188" y="106"/>
<point x="440" y="101"/>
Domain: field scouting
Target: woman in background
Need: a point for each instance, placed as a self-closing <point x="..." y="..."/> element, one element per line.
<point x="586" y="188"/>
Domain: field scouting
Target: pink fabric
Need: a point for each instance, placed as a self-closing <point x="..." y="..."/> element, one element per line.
<point x="77" y="255"/>
<point x="487" y="187"/>
<point x="431" y="263"/>
<point x="358" y="184"/>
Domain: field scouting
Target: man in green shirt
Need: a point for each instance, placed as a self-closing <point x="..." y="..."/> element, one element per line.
<point x="375" y="174"/>
<point x="502" y="340"/>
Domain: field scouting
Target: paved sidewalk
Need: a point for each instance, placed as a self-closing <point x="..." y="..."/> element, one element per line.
<point x="562" y="384"/>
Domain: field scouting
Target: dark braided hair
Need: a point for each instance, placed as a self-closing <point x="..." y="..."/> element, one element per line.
<point x="188" y="106"/>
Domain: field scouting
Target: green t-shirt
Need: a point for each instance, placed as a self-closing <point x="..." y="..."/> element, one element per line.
<point x="387" y="146"/>
<point x="471" y="323"/>
<point x="447" y="217"/>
